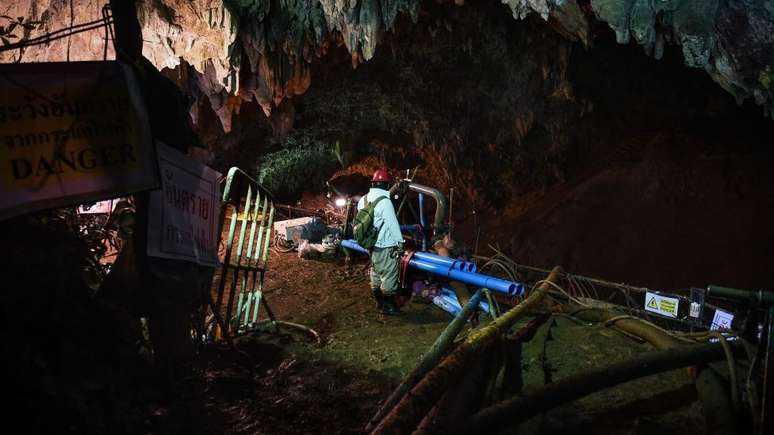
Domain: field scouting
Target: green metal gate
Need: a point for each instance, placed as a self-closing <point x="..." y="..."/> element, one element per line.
<point x="245" y="260"/>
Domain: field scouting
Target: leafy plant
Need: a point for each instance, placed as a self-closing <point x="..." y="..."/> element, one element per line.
<point x="303" y="166"/>
<point x="344" y="157"/>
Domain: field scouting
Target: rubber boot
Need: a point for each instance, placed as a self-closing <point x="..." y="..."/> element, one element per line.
<point x="390" y="307"/>
<point x="379" y="298"/>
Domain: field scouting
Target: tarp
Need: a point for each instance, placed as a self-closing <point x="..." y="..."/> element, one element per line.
<point x="71" y="133"/>
<point x="99" y="207"/>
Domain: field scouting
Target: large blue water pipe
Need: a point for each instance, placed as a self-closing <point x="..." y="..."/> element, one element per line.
<point x="440" y="266"/>
<point x="451" y="262"/>
<point x="460" y="265"/>
<point x="476" y="279"/>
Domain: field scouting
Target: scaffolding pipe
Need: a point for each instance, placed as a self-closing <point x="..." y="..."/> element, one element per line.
<point x="422" y="220"/>
<point x="440" y="201"/>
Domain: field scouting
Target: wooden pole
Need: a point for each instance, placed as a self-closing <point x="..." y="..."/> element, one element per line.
<point x="429" y="360"/>
<point x="405" y="417"/>
<point x="716" y="406"/>
<point x="520" y="408"/>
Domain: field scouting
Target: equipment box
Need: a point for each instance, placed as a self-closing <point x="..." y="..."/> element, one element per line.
<point x="305" y="228"/>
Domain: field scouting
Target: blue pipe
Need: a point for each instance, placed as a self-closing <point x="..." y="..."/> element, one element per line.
<point x="411" y="227"/>
<point x="451" y="262"/>
<point x="352" y="245"/>
<point x="447" y="304"/>
<point x="422" y="220"/>
<point x="495" y="284"/>
<point x="449" y="271"/>
<point x="424" y="256"/>
<point x="451" y="297"/>
<point x="451" y="305"/>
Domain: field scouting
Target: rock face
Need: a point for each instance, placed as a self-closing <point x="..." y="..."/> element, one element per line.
<point x="264" y="49"/>
<point x="54" y="15"/>
<point x="199" y="32"/>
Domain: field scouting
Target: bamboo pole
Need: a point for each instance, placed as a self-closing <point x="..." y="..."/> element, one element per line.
<point x="429" y="360"/>
<point x="716" y="406"/>
<point x="405" y="417"/>
<point x="460" y="399"/>
<point x="579" y="385"/>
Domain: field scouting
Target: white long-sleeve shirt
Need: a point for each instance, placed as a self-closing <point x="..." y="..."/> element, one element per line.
<point x="384" y="218"/>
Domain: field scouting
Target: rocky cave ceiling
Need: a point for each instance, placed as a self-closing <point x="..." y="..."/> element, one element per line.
<point x="264" y="49"/>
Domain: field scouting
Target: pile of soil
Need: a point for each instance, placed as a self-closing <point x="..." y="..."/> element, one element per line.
<point x="666" y="212"/>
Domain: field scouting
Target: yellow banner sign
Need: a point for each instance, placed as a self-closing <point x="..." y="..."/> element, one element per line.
<point x="71" y="133"/>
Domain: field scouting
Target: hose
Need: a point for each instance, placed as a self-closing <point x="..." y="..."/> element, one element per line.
<point x="731" y="366"/>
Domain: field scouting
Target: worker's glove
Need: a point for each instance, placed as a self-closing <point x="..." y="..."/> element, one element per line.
<point x="398" y="251"/>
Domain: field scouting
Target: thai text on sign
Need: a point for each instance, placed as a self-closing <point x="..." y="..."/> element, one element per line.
<point x="71" y="133"/>
<point x="663" y="305"/>
<point x="184" y="213"/>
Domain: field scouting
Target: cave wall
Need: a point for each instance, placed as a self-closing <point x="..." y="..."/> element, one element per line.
<point x="669" y="187"/>
<point x="606" y="161"/>
<point x="507" y="111"/>
<point x="733" y="41"/>
<point x="439" y="95"/>
<point x="264" y="50"/>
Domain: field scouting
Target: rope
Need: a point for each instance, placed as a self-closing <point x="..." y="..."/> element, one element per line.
<point x="561" y="290"/>
<point x="612" y="320"/>
<point x="580" y="278"/>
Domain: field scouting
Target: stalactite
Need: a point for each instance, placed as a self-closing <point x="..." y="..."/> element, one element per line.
<point x="274" y="42"/>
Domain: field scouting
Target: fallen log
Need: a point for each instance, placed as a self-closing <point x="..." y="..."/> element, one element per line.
<point x="513" y="381"/>
<point x="429" y="360"/>
<point x="419" y="400"/>
<point x="716" y="406"/>
<point x="520" y="408"/>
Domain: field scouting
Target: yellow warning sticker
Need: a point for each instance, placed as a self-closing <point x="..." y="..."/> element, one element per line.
<point x="662" y="305"/>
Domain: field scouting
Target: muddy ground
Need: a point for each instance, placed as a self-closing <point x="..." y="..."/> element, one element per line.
<point x="297" y="386"/>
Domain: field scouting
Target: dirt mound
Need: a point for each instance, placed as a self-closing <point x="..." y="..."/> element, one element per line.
<point x="667" y="215"/>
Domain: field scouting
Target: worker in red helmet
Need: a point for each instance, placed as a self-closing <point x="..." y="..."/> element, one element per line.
<point x="389" y="244"/>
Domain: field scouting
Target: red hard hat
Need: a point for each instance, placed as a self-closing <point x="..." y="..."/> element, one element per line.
<point x="380" y="175"/>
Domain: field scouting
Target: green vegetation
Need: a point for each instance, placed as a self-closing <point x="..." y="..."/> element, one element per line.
<point x="303" y="165"/>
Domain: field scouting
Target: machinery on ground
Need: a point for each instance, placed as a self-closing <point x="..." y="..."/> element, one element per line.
<point x="448" y="277"/>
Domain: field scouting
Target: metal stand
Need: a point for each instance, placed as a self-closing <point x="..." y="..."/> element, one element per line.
<point x="765" y="300"/>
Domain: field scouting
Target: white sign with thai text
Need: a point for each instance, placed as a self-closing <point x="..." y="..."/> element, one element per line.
<point x="183" y="220"/>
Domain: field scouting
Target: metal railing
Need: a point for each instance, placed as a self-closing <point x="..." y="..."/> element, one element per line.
<point x="247" y="204"/>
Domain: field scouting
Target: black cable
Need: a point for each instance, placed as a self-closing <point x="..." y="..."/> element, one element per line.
<point x="58" y="34"/>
